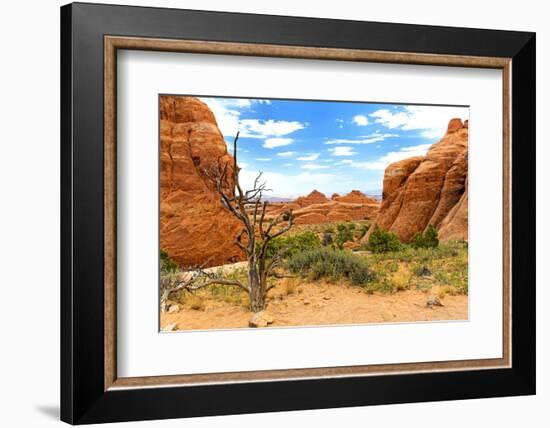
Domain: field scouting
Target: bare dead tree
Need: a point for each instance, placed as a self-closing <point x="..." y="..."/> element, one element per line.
<point x="250" y="209"/>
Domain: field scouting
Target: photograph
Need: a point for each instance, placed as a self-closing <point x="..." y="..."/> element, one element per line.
<point x="297" y="213"/>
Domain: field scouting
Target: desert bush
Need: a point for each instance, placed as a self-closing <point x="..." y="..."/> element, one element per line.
<point x="421" y="270"/>
<point x="331" y="264"/>
<point x="361" y="231"/>
<point x="401" y="280"/>
<point x="380" y="285"/>
<point x="167" y="265"/>
<point x="327" y="239"/>
<point x="290" y="286"/>
<point x="344" y="234"/>
<point x="293" y="244"/>
<point x="382" y="241"/>
<point x="194" y="302"/>
<point x="428" y="239"/>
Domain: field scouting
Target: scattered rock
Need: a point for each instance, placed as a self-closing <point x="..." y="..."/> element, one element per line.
<point x="170" y="327"/>
<point x="320" y="305"/>
<point x="306" y="302"/>
<point x="433" y="301"/>
<point x="174" y="309"/>
<point x="326" y="297"/>
<point x="260" y="319"/>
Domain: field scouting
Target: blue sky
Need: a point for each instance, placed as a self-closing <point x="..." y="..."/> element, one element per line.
<point x="326" y="145"/>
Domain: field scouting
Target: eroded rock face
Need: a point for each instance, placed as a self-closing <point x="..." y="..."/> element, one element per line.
<point x="430" y="189"/>
<point x="194" y="226"/>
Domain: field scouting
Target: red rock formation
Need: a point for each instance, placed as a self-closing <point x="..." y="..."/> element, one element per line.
<point x="429" y="189"/>
<point x="194" y="227"/>
<point x="354" y="197"/>
<point x="315" y="208"/>
<point x="315" y="197"/>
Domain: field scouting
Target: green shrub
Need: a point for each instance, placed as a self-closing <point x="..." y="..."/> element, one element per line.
<point x="293" y="244"/>
<point x="327" y="239"/>
<point x="382" y="241"/>
<point x="167" y="265"/>
<point x="331" y="264"/>
<point x="344" y="234"/>
<point x="361" y="231"/>
<point x="428" y="239"/>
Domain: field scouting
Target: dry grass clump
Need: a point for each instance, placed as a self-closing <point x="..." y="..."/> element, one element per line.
<point x="290" y="286"/>
<point x="194" y="302"/>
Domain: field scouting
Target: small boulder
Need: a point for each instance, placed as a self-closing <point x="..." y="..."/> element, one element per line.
<point x="174" y="309"/>
<point x="170" y="327"/>
<point x="260" y="319"/>
<point x="306" y="302"/>
<point x="433" y="301"/>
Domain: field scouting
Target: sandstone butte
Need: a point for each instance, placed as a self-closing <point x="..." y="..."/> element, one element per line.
<point x="431" y="189"/>
<point x="195" y="228"/>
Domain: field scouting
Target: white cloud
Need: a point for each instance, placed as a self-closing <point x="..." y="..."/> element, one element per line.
<point x="364" y="139"/>
<point x="361" y="120"/>
<point x="310" y="157"/>
<point x="286" y="154"/>
<point x="256" y="128"/>
<point x="340" y="120"/>
<point x="271" y="143"/>
<point x="288" y="164"/>
<point x="345" y="162"/>
<point x="431" y="120"/>
<point x="342" y="151"/>
<point x="391" y="157"/>
<point x="228" y="116"/>
<point x="243" y="102"/>
<point x="314" y="166"/>
<point x="263" y="159"/>
<point x="288" y="184"/>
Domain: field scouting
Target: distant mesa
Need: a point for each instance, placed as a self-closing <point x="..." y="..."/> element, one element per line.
<point x="431" y="189"/>
<point x="317" y="208"/>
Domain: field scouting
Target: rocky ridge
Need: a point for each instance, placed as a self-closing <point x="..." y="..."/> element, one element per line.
<point x="431" y="189"/>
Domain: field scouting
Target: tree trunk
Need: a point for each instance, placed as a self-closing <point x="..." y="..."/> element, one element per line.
<point x="256" y="294"/>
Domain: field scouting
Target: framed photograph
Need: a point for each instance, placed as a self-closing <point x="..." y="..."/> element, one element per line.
<point x="266" y="213"/>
